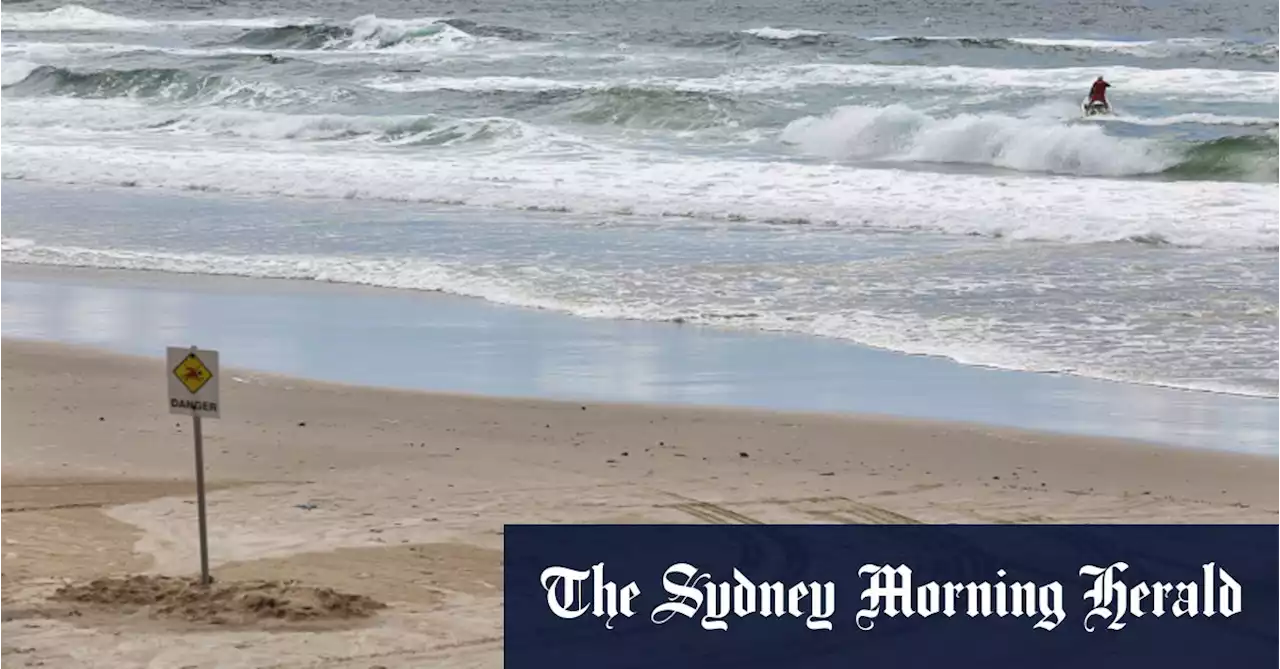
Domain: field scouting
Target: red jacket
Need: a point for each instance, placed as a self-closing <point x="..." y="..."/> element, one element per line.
<point x="1098" y="92"/>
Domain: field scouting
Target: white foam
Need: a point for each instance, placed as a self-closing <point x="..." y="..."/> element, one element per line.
<point x="75" y="117"/>
<point x="479" y="84"/>
<point x="1186" y="84"/>
<point x="1077" y="43"/>
<point x="1064" y="110"/>
<point x="782" y="33"/>
<point x="70" y="17"/>
<point x="387" y="272"/>
<point x="370" y="32"/>
<point x="897" y="132"/>
<point x="604" y="181"/>
<point x="13" y="70"/>
<point x="979" y="341"/>
<point x="1163" y="48"/>
<point x="15" y="243"/>
<point x="1073" y="42"/>
<point x="1147" y="48"/>
<point x="53" y="51"/>
<point x="76" y="17"/>
<point x="1178" y="119"/>
<point x="265" y="22"/>
<point x="890" y="38"/>
<point x="72" y="54"/>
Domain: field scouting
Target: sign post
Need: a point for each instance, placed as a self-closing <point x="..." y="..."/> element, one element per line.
<point x="193" y="391"/>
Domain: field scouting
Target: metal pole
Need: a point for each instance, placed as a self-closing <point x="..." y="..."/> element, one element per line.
<point x="204" y="537"/>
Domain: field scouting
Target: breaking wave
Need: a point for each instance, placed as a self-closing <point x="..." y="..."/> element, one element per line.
<point x="641" y="107"/>
<point x="370" y="33"/>
<point x="70" y="17"/>
<point x="15" y="70"/>
<point x="900" y="134"/>
<point x="147" y="82"/>
<point x="631" y="105"/>
<point x="801" y="38"/>
<point x="1191" y="83"/>
<point x="409" y="131"/>
<point x="78" y="18"/>
<point x="168" y="84"/>
<point x="609" y="180"/>
<point x="309" y="36"/>
<point x="622" y="106"/>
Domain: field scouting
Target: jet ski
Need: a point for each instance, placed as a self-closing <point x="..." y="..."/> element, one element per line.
<point x="1096" y="108"/>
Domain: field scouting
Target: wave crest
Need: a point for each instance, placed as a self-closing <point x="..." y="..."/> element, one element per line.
<point x="168" y="84"/>
<point x="83" y="19"/>
<point x="14" y="70"/>
<point x="1246" y="157"/>
<point x="644" y="107"/>
<point x="403" y="130"/>
<point x="627" y="104"/>
<point x="898" y="133"/>
<point x="70" y="17"/>
<point x="371" y="33"/>
<point x="306" y="36"/>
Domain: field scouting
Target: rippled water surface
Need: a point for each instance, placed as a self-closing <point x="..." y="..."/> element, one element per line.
<point x="914" y="177"/>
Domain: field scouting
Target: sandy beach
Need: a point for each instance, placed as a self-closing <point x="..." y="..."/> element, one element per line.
<point x="401" y="496"/>
<point x="700" y="263"/>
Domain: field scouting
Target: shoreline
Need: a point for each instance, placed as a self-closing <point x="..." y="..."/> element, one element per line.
<point x="364" y="335"/>
<point x="41" y="270"/>
<point x="40" y="363"/>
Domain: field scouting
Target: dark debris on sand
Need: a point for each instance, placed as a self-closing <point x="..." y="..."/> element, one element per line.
<point x="233" y="603"/>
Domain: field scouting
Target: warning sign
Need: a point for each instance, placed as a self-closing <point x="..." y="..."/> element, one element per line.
<point x="193" y="382"/>
<point x="193" y="373"/>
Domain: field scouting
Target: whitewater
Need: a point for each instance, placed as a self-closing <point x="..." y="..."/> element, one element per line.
<point x="920" y="181"/>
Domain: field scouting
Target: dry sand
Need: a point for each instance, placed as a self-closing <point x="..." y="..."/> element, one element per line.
<point x="400" y="497"/>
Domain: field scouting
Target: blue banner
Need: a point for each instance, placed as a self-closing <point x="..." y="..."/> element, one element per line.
<point x="900" y="596"/>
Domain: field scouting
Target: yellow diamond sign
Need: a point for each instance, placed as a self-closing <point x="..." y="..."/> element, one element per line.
<point x="192" y="373"/>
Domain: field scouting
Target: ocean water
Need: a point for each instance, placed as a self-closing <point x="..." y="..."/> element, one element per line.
<point x="915" y="177"/>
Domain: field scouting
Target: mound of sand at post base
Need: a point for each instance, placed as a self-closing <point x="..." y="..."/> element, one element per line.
<point x="237" y="604"/>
